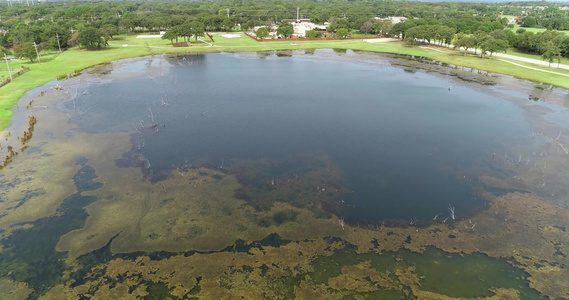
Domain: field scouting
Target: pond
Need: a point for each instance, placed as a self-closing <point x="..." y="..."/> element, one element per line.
<point x="202" y="155"/>
<point x="393" y="135"/>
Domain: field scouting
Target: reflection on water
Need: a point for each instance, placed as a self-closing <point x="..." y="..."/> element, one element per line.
<point x="331" y="174"/>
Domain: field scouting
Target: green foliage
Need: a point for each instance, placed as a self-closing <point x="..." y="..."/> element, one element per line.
<point x="91" y="38"/>
<point x="285" y="30"/>
<point x="551" y="52"/>
<point x="529" y="22"/>
<point x="313" y="34"/>
<point x="342" y="33"/>
<point x="440" y="33"/>
<point x="465" y="42"/>
<point x="26" y="50"/>
<point x="382" y="27"/>
<point x="4" y="51"/>
<point x="109" y="30"/>
<point x="262" y="33"/>
<point x="173" y="33"/>
<point x="228" y="24"/>
<point x="338" y="24"/>
<point x="493" y="45"/>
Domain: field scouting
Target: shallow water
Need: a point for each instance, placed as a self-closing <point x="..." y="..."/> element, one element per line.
<point x="394" y="134"/>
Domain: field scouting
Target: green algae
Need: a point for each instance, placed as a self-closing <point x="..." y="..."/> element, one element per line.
<point x="454" y="275"/>
<point x="29" y="254"/>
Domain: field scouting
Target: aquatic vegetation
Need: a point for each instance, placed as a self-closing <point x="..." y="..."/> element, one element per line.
<point x="309" y="180"/>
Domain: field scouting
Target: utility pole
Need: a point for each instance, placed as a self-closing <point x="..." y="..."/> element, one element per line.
<point x="37" y="53"/>
<point x="297" y="14"/>
<point x="8" y="65"/>
<point x="58" y="44"/>
<point x="228" y="12"/>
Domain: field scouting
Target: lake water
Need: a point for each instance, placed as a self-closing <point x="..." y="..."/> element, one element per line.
<point x="396" y="136"/>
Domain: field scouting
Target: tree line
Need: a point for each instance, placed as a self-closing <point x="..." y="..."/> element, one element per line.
<point x="60" y="25"/>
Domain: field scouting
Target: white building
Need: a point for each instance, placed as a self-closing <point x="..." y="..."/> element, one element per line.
<point x="301" y="26"/>
<point x="394" y="20"/>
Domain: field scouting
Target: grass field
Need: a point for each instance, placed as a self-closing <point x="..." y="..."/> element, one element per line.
<point x="515" y="52"/>
<point x="536" y="30"/>
<point x="55" y="65"/>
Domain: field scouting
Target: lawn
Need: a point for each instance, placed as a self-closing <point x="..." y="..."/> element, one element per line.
<point x="515" y="52"/>
<point x="536" y="30"/>
<point x="55" y="65"/>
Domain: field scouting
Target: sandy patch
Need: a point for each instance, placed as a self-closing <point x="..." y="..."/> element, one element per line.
<point x="230" y="36"/>
<point x="154" y="36"/>
<point x="373" y="41"/>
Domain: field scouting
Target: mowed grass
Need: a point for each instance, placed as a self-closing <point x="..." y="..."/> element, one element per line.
<point x="55" y="65"/>
<point x="537" y="30"/>
<point x="513" y="51"/>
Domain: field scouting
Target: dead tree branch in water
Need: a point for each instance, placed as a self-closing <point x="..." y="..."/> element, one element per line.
<point x="151" y="115"/>
<point x="135" y="128"/>
<point x="341" y="222"/>
<point x="451" y="208"/>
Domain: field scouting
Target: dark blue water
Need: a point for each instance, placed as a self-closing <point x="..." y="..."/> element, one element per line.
<point x="400" y="138"/>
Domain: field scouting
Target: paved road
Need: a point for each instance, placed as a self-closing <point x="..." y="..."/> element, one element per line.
<point x="519" y="58"/>
<point x="530" y="60"/>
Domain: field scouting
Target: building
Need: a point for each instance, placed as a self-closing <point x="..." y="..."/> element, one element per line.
<point x="394" y="20"/>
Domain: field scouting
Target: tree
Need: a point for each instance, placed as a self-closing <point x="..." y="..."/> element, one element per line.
<point x="262" y="33"/>
<point x="342" y="33"/>
<point x="366" y="27"/>
<point x="248" y="25"/>
<point x="109" y="30"/>
<point x="444" y="34"/>
<point x="551" y="53"/>
<point x="529" y="22"/>
<point x="480" y="37"/>
<point x="382" y="27"/>
<point x="90" y="38"/>
<point x="228" y="24"/>
<point x="170" y="35"/>
<point x="197" y="29"/>
<point x="185" y="30"/>
<point x="285" y="29"/>
<point x="493" y="45"/>
<point x="339" y="24"/>
<point x="564" y="47"/>
<point x="399" y="29"/>
<point x="313" y="34"/>
<point x="527" y="41"/>
<point x="26" y="50"/>
<point x="465" y="42"/>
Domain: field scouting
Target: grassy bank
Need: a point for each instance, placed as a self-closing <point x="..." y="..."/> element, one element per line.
<point x="55" y="66"/>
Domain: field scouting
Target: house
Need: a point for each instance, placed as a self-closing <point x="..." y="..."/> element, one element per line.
<point x="301" y="26"/>
<point x="394" y="20"/>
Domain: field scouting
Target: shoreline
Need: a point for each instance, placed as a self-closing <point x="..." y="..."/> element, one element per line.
<point x="41" y="74"/>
